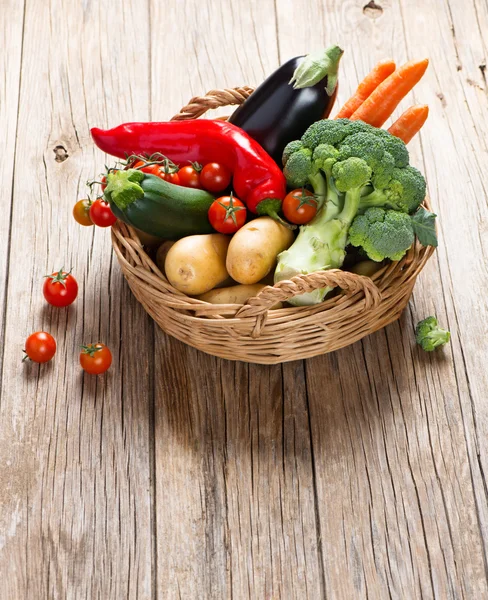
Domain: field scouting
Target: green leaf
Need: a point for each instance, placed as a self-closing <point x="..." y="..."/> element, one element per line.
<point x="423" y="223"/>
<point x="315" y="67"/>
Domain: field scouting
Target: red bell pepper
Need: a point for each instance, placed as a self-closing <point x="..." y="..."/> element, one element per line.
<point x="257" y="179"/>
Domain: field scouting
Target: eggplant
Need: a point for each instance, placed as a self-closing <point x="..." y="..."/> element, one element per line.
<point x="281" y="109"/>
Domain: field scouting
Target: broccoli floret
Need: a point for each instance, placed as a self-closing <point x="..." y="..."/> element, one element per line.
<point x="429" y="335"/>
<point x="290" y="149"/>
<point x="396" y="147"/>
<point x="404" y="192"/>
<point x="382" y="233"/>
<point x="299" y="172"/>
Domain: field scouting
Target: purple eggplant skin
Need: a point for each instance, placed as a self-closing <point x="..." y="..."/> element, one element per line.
<point x="276" y="113"/>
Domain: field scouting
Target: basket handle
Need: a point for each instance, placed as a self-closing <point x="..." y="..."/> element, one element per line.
<point x="351" y="283"/>
<point x="213" y="99"/>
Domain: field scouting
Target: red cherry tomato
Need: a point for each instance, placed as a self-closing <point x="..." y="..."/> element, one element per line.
<point x="227" y="214"/>
<point x="101" y="214"/>
<point x="60" y="289"/>
<point x="167" y="171"/>
<point x="95" y="358"/>
<point x="40" y="347"/>
<point x="300" y="206"/>
<point x="190" y="176"/>
<point x="81" y="212"/>
<point x="215" y="177"/>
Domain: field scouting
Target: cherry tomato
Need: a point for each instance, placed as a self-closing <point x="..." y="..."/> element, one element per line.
<point x="190" y="176"/>
<point x="81" y="212"/>
<point x="215" y="177"/>
<point x="300" y="206"/>
<point x="101" y="214"/>
<point x="95" y="358"/>
<point x="60" y="289"/>
<point x="40" y="347"/>
<point x="227" y="214"/>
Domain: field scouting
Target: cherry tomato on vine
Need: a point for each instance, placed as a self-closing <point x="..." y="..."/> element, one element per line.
<point x="81" y="212"/>
<point x="167" y="171"/>
<point x="300" y="206"/>
<point x="101" y="214"/>
<point x="40" y="347"/>
<point x="95" y="358"/>
<point x="227" y="214"/>
<point x="215" y="177"/>
<point x="60" y="289"/>
<point x="190" y="176"/>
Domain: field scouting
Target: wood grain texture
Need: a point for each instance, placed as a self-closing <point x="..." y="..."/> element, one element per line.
<point x="358" y="474"/>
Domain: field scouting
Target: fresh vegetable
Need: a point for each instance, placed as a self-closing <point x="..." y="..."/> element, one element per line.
<point x="367" y="268"/>
<point x="196" y="264"/>
<point x="379" y="106"/>
<point x="300" y="206"/>
<point x="215" y="177"/>
<point x="236" y="294"/>
<point x="162" y="253"/>
<point x="227" y="214"/>
<point x="157" y="207"/>
<point x="40" y="347"/>
<point x="278" y="112"/>
<point x="410" y="122"/>
<point x="382" y="233"/>
<point x="429" y="335"/>
<point x="60" y="289"/>
<point x="190" y="176"/>
<point x="253" y="249"/>
<point x="81" y="212"/>
<point x="95" y="358"/>
<point x="101" y="213"/>
<point x="257" y="180"/>
<point x="356" y="167"/>
<point x="367" y="86"/>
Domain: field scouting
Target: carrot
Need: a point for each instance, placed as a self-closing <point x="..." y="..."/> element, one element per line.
<point x="410" y="122"/>
<point x="376" y="109"/>
<point x="367" y="86"/>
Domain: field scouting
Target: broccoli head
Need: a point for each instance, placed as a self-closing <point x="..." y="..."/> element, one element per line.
<point x="382" y="233"/>
<point x="405" y="191"/>
<point x="429" y="335"/>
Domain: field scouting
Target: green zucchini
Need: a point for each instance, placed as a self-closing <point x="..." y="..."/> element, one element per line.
<point x="156" y="206"/>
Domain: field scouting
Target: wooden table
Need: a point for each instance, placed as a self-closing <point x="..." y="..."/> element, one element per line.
<point x="359" y="474"/>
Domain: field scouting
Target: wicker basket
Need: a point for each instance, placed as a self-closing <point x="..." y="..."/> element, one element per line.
<point x="251" y="332"/>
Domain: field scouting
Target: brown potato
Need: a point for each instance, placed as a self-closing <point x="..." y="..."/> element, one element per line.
<point x="162" y="253"/>
<point x="366" y="267"/>
<point x="254" y="249"/>
<point x="196" y="264"/>
<point x="236" y="294"/>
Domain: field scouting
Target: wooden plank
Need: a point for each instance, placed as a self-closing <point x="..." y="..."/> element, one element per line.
<point x="397" y="433"/>
<point x="234" y="484"/>
<point x="74" y="450"/>
<point x="11" y="32"/>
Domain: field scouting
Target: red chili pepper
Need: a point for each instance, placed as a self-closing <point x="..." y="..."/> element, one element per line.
<point x="257" y="179"/>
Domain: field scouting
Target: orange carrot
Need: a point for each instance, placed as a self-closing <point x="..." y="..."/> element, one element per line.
<point x="410" y="122"/>
<point x="367" y="86"/>
<point x="376" y="109"/>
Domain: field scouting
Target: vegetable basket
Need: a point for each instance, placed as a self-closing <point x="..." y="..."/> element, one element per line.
<point x="252" y="332"/>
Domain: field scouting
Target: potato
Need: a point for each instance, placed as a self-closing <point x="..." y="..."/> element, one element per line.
<point x="254" y="248"/>
<point x="162" y="253"/>
<point x="236" y="294"/>
<point x="196" y="264"/>
<point x="366" y="267"/>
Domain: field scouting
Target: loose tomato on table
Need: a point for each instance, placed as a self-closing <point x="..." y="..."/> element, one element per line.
<point x="81" y="212"/>
<point x="300" y="206"/>
<point x="101" y="214"/>
<point x="40" y="347"/>
<point x="190" y="176"/>
<point x="215" y="177"/>
<point x="60" y="289"/>
<point x="227" y="214"/>
<point x="95" y="358"/>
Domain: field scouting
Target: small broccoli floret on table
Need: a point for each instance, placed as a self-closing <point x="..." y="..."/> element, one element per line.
<point x="430" y="336"/>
